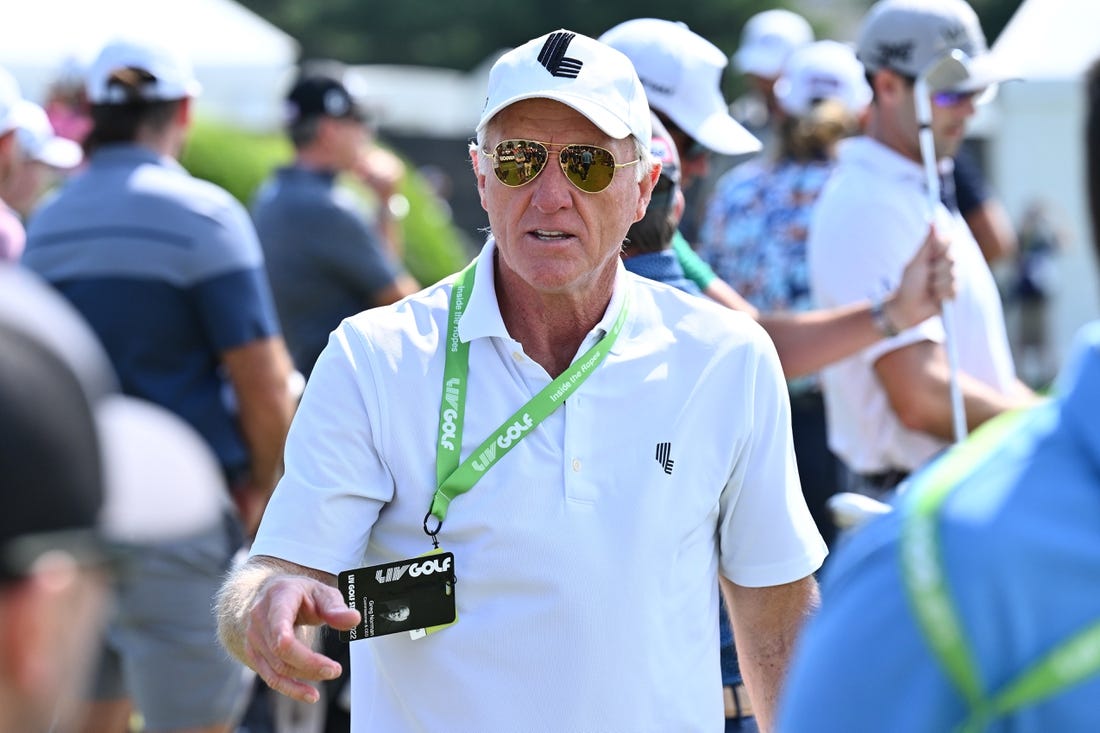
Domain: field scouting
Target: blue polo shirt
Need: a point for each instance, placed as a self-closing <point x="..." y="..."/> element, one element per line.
<point x="664" y="267"/>
<point x="1020" y="546"/>
<point x="324" y="258"/>
<point x="168" y="271"/>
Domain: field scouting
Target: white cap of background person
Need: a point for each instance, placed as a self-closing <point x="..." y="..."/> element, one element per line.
<point x="38" y="140"/>
<point x="820" y="71"/>
<point x="906" y="36"/>
<point x="682" y="75"/>
<point x="768" y="38"/>
<point x="172" y="75"/>
<point x="10" y="95"/>
<point x="578" y="71"/>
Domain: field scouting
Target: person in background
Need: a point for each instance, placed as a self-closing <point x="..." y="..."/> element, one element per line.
<point x="168" y="272"/>
<point x="889" y="408"/>
<point x="965" y="190"/>
<point x="756" y="225"/>
<point x="84" y="474"/>
<point x="682" y="73"/>
<point x="66" y="101"/>
<point x="647" y="251"/>
<point x="767" y="41"/>
<point x="12" y="235"/>
<point x="595" y="522"/>
<point x="972" y="605"/>
<point x="46" y="157"/>
<point x="325" y="258"/>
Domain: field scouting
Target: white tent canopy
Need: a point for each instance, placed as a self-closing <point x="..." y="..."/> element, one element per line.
<point x="1051" y="39"/>
<point x="1037" y="143"/>
<point x="243" y="62"/>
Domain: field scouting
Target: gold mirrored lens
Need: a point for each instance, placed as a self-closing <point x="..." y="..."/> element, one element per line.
<point x="518" y="161"/>
<point x="587" y="167"/>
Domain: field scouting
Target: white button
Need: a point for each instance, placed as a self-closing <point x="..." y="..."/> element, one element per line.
<point x="576" y="464"/>
<point x="517" y="355"/>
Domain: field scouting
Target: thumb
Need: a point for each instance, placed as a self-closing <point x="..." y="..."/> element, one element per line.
<point x="933" y="246"/>
<point x="332" y="610"/>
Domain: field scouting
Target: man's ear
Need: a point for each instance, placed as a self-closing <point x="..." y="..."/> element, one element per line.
<point x="32" y="615"/>
<point x="645" y="189"/>
<point x="184" y="111"/>
<point x="888" y="85"/>
<point x="7" y="142"/>
<point x="475" y="161"/>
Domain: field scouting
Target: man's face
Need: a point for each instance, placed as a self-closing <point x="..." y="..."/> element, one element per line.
<point x="897" y="104"/>
<point x="56" y="614"/>
<point x="344" y="138"/>
<point x="950" y="113"/>
<point x="550" y="235"/>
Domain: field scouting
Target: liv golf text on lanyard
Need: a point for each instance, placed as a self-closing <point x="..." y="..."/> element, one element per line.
<point x="453" y="478"/>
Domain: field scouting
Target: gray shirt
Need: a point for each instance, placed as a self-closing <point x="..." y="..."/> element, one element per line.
<point x="324" y="258"/>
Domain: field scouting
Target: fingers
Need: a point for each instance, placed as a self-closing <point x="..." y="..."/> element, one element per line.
<point x="934" y="246"/>
<point x="941" y="278"/>
<point x="274" y="649"/>
<point x="941" y="273"/>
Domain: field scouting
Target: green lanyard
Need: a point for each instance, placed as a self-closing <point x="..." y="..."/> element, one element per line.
<point x="453" y="478"/>
<point x="1072" y="661"/>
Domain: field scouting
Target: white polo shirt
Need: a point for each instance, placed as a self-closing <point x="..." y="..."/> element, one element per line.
<point x="586" y="572"/>
<point x="871" y="219"/>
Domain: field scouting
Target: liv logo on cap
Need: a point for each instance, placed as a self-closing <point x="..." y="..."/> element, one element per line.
<point x="554" y="59"/>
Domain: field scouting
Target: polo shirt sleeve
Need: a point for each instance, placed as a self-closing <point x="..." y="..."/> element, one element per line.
<point x="336" y="482"/>
<point x="230" y="287"/>
<point x="858" y="248"/>
<point x="766" y="534"/>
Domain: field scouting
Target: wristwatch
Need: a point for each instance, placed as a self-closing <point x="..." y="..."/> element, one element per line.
<point x="881" y="320"/>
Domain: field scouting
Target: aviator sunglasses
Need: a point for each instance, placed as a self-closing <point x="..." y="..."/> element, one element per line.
<point x="588" y="167"/>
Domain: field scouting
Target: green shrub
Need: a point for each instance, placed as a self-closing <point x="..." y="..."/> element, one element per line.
<point x="239" y="161"/>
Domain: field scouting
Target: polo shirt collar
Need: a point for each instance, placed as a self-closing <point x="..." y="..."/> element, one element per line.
<point x="301" y="174"/>
<point x="482" y="315"/>
<point x="131" y="154"/>
<point x="884" y="161"/>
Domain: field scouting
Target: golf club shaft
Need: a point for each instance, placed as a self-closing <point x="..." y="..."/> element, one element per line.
<point x="932" y="176"/>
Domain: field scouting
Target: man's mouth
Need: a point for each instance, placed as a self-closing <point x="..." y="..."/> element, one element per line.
<point x="551" y="235"/>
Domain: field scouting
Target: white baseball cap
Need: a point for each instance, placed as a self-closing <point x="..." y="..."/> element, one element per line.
<point x="682" y="75"/>
<point x="592" y="78"/>
<point x="9" y="98"/>
<point x="173" y="77"/>
<point x="819" y="71"/>
<point x="39" y="141"/>
<point x="768" y="39"/>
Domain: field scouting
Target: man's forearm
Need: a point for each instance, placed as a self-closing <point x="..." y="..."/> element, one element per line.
<point x="766" y="624"/>
<point x="240" y="590"/>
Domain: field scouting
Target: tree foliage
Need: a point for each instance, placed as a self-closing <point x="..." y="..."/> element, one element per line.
<point x="461" y="35"/>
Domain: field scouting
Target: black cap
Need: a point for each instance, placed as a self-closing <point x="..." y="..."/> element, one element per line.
<point x="321" y="96"/>
<point x="50" y="458"/>
<point x="85" y="469"/>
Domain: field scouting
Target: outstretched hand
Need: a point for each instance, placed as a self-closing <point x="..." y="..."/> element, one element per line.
<point x="928" y="280"/>
<point x="273" y="644"/>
